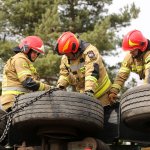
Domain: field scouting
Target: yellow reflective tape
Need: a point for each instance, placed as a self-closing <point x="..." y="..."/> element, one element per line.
<point x="25" y="72"/>
<point x="64" y="78"/>
<point x="12" y="92"/>
<point x="82" y="69"/>
<point x="147" y="59"/>
<point x="117" y="86"/>
<point x="25" y="65"/>
<point x="42" y="86"/>
<point x="66" y="46"/>
<point x="103" y="89"/>
<point x="147" y="66"/>
<point x="33" y="70"/>
<point x="124" y="69"/>
<point x="124" y="63"/>
<point x="139" y="68"/>
<point x="90" y="78"/>
<point x="133" y="44"/>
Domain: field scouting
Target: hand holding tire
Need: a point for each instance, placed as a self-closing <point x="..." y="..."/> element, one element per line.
<point x="112" y="97"/>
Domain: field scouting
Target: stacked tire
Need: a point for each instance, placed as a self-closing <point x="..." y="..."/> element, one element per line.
<point x="59" y="113"/>
<point x="135" y="108"/>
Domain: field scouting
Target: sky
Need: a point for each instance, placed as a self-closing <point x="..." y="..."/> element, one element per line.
<point x="142" y="23"/>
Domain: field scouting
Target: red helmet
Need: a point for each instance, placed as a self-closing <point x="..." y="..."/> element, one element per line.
<point x="32" y="42"/>
<point x="134" y="40"/>
<point x="67" y="43"/>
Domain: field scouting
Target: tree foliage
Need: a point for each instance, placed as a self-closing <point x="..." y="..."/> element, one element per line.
<point x="90" y="19"/>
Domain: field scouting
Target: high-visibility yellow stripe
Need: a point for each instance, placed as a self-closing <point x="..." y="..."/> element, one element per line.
<point x="92" y="79"/>
<point x="41" y="88"/>
<point x="139" y="67"/>
<point x="22" y="73"/>
<point x="12" y="92"/>
<point x="136" y="68"/>
<point x="66" y="46"/>
<point x="124" y="69"/>
<point x="105" y="87"/>
<point x="13" y="88"/>
<point x="147" y="66"/>
<point x="132" y="43"/>
<point x="82" y="69"/>
<point x="117" y="86"/>
<point x="33" y="70"/>
<point x="64" y="78"/>
<point x="147" y="59"/>
<point x="133" y="67"/>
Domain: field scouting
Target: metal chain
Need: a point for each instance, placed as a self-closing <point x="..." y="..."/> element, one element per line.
<point x="10" y="114"/>
<point x="9" y="120"/>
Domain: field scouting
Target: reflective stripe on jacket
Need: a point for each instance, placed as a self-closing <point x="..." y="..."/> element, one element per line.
<point x="14" y="90"/>
<point x="140" y="66"/>
<point x="103" y="87"/>
<point x="17" y="69"/>
<point x="87" y="72"/>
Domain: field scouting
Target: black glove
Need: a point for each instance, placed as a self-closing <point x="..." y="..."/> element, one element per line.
<point x="62" y="88"/>
<point x="89" y="93"/>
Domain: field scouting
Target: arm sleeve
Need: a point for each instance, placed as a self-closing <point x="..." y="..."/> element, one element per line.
<point x="147" y="69"/>
<point x="25" y="76"/>
<point x="122" y="76"/>
<point x="63" y="80"/>
<point x="92" y="63"/>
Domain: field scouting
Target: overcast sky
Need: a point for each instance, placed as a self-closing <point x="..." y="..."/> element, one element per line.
<point x="142" y="23"/>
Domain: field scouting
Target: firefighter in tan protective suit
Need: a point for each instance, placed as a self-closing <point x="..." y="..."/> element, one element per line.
<point x="136" y="60"/>
<point x="19" y="75"/>
<point x="82" y="67"/>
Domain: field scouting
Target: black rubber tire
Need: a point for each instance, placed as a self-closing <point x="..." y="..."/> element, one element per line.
<point x="135" y="107"/>
<point x="2" y="122"/>
<point x="63" y="109"/>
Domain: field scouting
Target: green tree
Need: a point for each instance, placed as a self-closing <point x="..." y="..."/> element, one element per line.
<point x="49" y="18"/>
<point x="6" y="50"/>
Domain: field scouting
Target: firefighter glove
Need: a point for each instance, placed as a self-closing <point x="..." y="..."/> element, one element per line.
<point x="61" y="87"/>
<point x="112" y="97"/>
<point x="46" y="87"/>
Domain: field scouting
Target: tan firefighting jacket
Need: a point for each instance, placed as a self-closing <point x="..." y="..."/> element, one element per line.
<point x="86" y="73"/>
<point x="140" y="66"/>
<point x="16" y="70"/>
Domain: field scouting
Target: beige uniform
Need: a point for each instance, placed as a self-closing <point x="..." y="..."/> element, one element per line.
<point x="86" y="73"/>
<point x="140" y="66"/>
<point x="16" y="70"/>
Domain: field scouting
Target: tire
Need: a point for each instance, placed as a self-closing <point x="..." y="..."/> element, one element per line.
<point x="135" y="108"/>
<point x="59" y="113"/>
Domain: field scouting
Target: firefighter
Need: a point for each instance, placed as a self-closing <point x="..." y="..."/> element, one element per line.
<point x="136" y="60"/>
<point x="19" y="74"/>
<point x="82" y="67"/>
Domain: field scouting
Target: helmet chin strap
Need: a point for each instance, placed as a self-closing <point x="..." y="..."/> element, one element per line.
<point x="138" y="55"/>
<point x="76" y="55"/>
<point x="29" y="55"/>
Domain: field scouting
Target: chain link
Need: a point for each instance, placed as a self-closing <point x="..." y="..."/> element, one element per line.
<point x="10" y="114"/>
